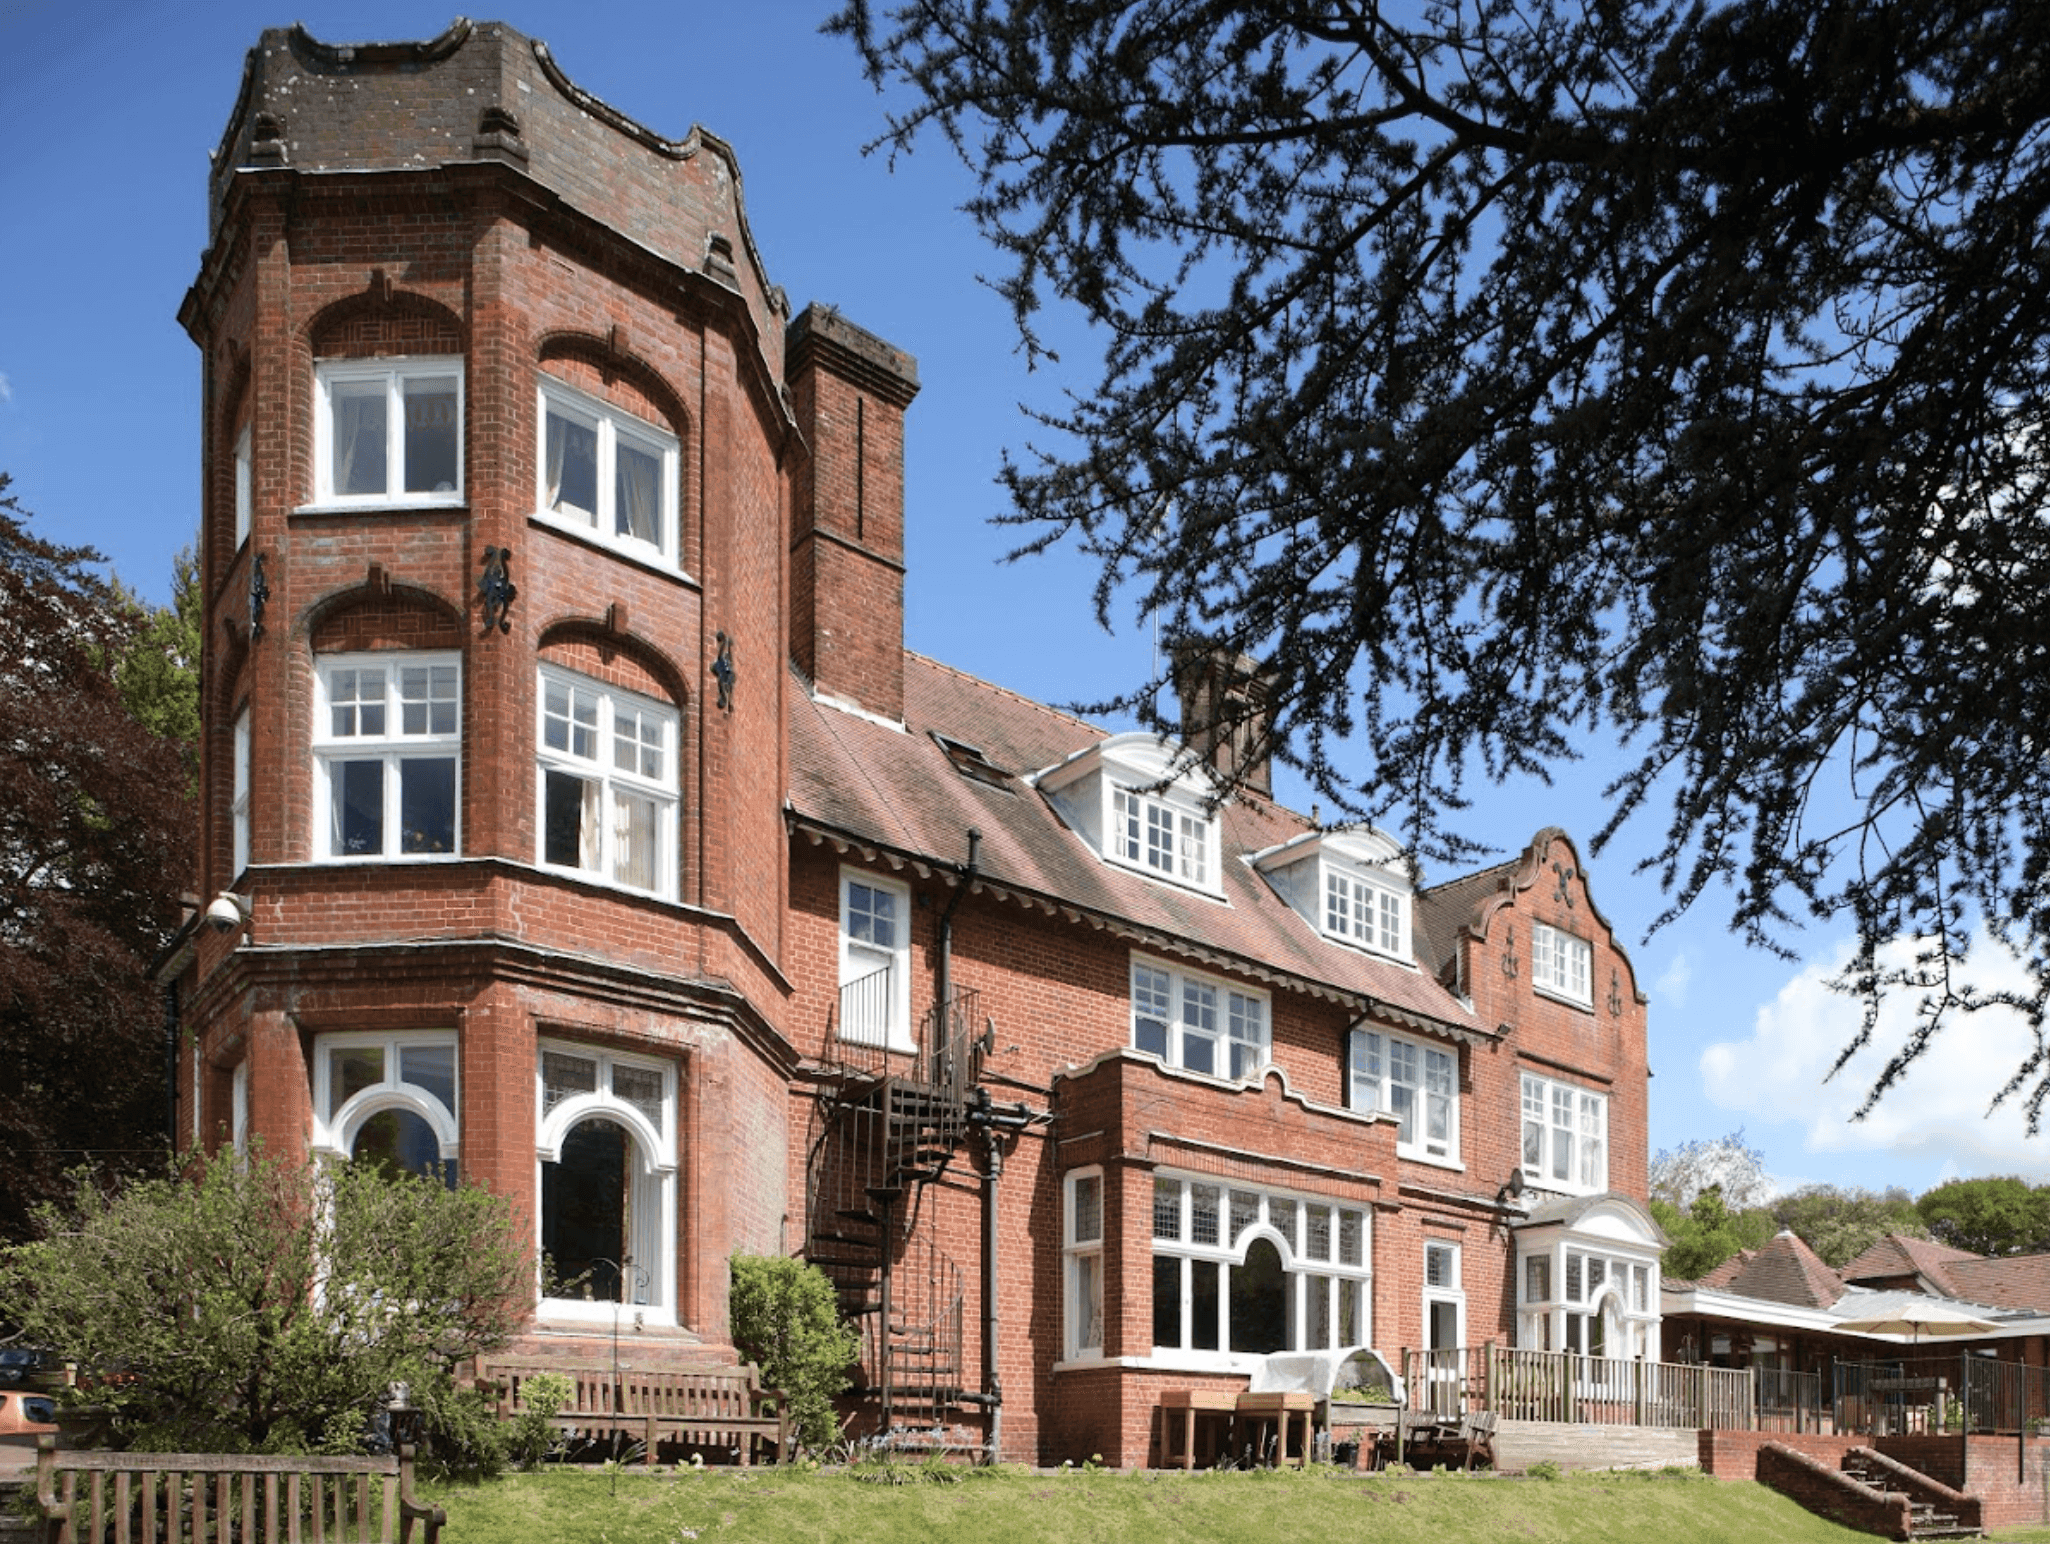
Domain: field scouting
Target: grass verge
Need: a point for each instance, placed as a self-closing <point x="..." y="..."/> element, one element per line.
<point x="1015" y="1506"/>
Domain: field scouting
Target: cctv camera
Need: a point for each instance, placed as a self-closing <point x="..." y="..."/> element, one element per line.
<point x="224" y="913"/>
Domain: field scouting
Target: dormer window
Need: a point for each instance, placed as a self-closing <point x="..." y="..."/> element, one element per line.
<point x="1361" y="911"/>
<point x="1142" y="805"/>
<point x="1352" y="886"/>
<point x="1149" y="832"/>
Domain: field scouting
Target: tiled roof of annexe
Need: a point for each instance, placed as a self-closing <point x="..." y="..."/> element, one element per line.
<point x="855" y="778"/>
<point x="1784" y="1270"/>
<point x="1999" y="1281"/>
<point x="1897" y="1255"/>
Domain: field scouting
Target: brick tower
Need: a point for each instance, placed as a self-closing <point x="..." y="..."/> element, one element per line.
<point x="502" y="472"/>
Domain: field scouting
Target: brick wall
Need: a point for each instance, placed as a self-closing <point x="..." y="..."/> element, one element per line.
<point x="475" y="205"/>
<point x="1733" y="1455"/>
<point x="1830" y="1493"/>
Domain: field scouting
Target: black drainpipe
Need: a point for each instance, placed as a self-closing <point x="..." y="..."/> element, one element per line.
<point x="946" y="972"/>
<point x="171" y="1065"/>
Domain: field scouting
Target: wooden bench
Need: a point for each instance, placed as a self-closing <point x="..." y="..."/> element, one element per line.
<point x="1475" y="1438"/>
<point x="716" y="1407"/>
<point x="161" y="1498"/>
<point x="1428" y="1440"/>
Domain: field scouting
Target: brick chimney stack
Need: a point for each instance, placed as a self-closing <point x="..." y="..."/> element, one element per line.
<point x="849" y="390"/>
<point x="1224" y="713"/>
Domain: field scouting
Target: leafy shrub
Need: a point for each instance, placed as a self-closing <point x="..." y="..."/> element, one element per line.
<point x="266" y="1306"/>
<point x="786" y="1319"/>
<point x="1543" y="1469"/>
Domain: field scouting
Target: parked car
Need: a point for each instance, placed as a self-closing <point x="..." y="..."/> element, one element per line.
<point x="33" y="1413"/>
<point x="20" y="1364"/>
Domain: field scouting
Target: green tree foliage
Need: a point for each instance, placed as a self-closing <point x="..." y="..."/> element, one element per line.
<point x="267" y="1306"/>
<point x="1511" y="375"/>
<point x="1707" y="1232"/>
<point x="96" y="830"/>
<point x="785" y="1320"/>
<point x="1841" y="1222"/>
<point x="159" y="671"/>
<point x="1996" y="1216"/>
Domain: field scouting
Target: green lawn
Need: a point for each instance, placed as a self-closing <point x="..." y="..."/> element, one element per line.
<point x="1012" y="1506"/>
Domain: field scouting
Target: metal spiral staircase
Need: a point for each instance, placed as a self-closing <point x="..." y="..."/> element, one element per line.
<point x="891" y="1125"/>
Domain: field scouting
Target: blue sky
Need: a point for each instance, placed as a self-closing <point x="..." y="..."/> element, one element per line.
<point x="110" y="107"/>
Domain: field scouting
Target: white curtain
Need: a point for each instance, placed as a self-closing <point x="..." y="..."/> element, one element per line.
<point x="359" y="439"/>
<point x="637" y="514"/>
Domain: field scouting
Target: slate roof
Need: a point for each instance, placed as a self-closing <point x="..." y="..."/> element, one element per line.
<point x="896" y="789"/>
<point x="1445" y="909"/>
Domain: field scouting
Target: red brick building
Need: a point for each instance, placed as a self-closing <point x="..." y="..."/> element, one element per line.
<point x="576" y="819"/>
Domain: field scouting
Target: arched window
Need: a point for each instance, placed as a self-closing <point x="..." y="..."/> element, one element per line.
<point x="1244" y="1271"/>
<point x="607" y="1181"/>
<point x="1259" y="1300"/>
<point x="388" y="1098"/>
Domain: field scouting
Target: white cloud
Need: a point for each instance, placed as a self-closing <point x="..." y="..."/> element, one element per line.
<point x="1673" y="981"/>
<point x="6" y="389"/>
<point x="1937" y="1110"/>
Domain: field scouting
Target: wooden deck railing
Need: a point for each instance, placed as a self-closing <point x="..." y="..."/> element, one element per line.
<point x="1565" y="1386"/>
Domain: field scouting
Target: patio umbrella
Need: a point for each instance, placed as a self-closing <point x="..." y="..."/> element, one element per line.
<point x="1916" y="1320"/>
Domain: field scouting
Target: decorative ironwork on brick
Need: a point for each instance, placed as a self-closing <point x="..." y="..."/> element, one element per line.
<point x="724" y="672"/>
<point x="495" y="590"/>
<point x="259" y="596"/>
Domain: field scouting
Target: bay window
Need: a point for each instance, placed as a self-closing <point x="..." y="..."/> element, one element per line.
<point x="607" y="474"/>
<point x="1245" y="1270"/>
<point x="1083" y="1247"/>
<point x="607" y="1142"/>
<point x="608" y="782"/>
<point x="387" y="753"/>
<point x="389" y="431"/>
<point x="387" y="1098"/>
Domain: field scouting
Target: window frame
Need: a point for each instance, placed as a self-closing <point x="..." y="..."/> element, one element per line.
<point x="651" y="1217"/>
<point x="238" y="1109"/>
<point x="245" y="485"/>
<point x="395" y="371"/>
<point x="238" y="796"/>
<point x="1382" y="1101"/>
<point x="1360" y="885"/>
<point x="393" y="749"/>
<point x="1283" y="1217"/>
<point x="1586" y="1178"/>
<point x="1555" y="954"/>
<point x="1565" y="1316"/>
<point x="612" y="780"/>
<point x="857" y="962"/>
<point x="1191" y="850"/>
<point x="606" y="423"/>
<point x="1229" y="1009"/>
<point x="1082" y="1266"/>
<point x="1452" y="1294"/>
<point x="336" y="1127"/>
